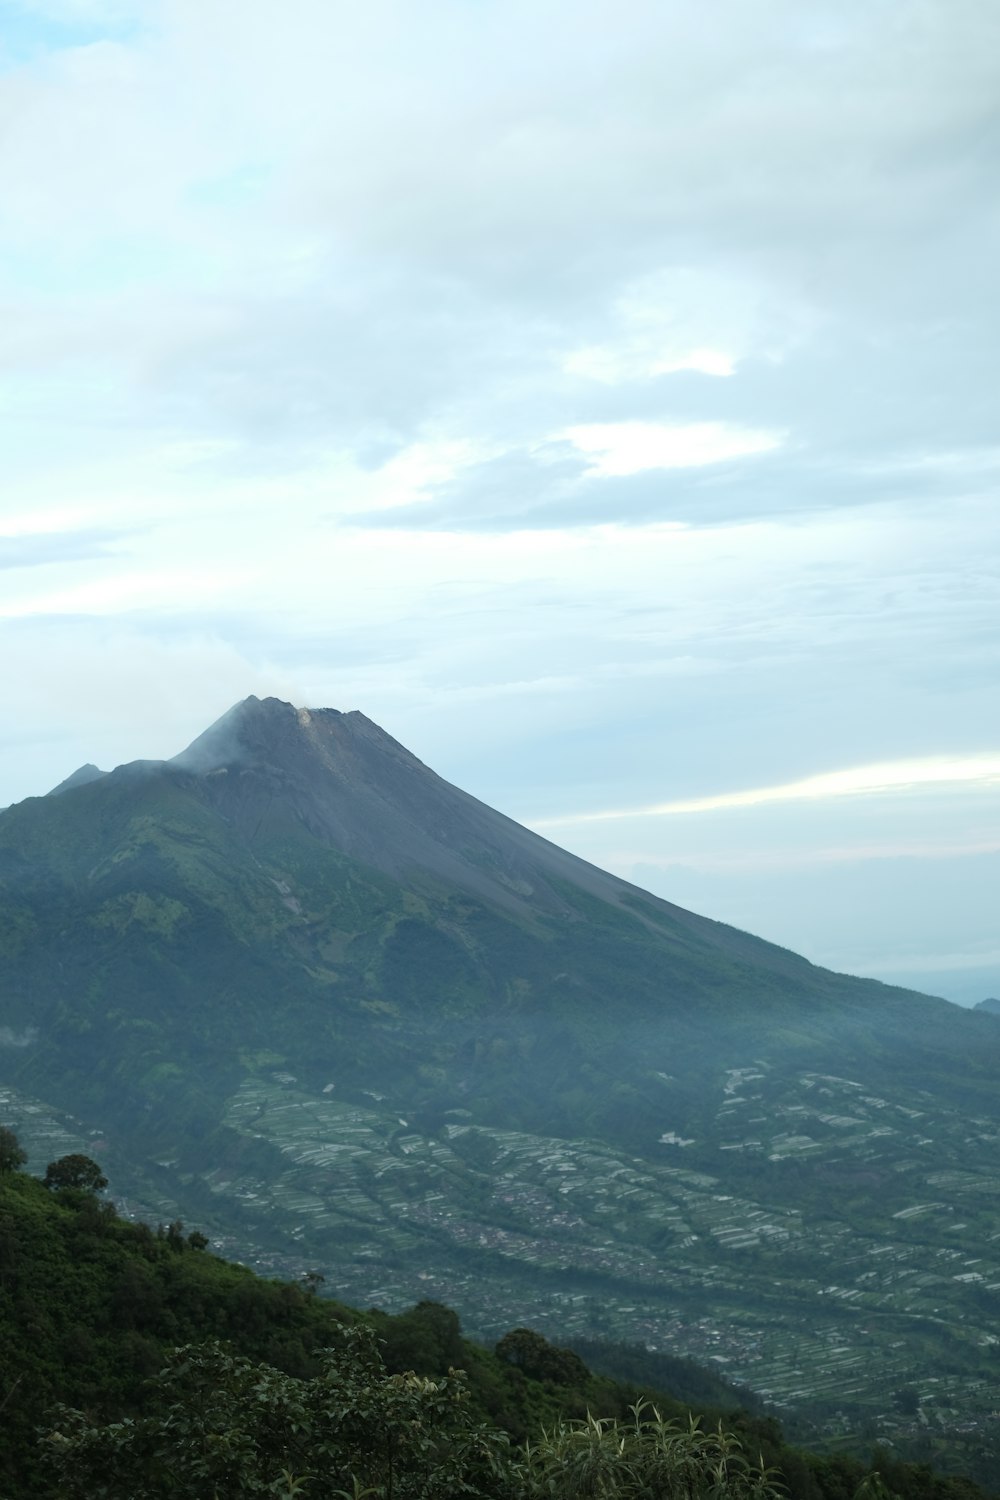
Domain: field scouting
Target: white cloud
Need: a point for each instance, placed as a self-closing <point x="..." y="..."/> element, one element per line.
<point x="109" y="691"/>
<point x="858" y="781"/>
<point x="412" y="475"/>
<point x="128" y="590"/>
<point x="690" y="318"/>
<point x="617" y="448"/>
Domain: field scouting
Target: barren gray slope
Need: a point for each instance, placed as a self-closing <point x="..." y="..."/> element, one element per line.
<point x="364" y="793"/>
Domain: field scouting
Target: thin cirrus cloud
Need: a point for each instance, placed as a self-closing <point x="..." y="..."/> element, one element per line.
<point x="755" y="861"/>
<point x="889" y="776"/>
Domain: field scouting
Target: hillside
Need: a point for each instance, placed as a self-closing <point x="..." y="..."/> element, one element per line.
<point x="304" y="992"/>
<point x="91" y="1308"/>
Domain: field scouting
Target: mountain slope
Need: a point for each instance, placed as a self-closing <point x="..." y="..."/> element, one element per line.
<point x="312" y="994"/>
<point x="297" y="883"/>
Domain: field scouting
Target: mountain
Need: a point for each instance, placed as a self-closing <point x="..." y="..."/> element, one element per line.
<point x="991" y="1006"/>
<point x="80" y="777"/>
<point x="309" y="995"/>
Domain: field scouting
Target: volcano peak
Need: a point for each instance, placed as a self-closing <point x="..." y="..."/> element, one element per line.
<point x="252" y="731"/>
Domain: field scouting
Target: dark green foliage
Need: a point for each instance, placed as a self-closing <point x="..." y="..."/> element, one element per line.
<point x="539" y="1359"/>
<point x="427" y="1339"/>
<point x="90" y="1305"/>
<point x="12" y="1154"/>
<point x="77" y="1172"/>
<point x="225" y="1426"/>
<point x="221" y="1425"/>
<point x="688" y="1381"/>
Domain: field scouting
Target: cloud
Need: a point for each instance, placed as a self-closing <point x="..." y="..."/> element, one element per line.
<point x="32" y="551"/>
<point x="128" y="591"/>
<point x="78" y="690"/>
<point x="551" y="487"/>
<point x="621" y="448"/>
<point x="421" y="221"/>
<point x="686" y="318"/>
<point x="612" y="366"/>
<point x="858" y="781"/>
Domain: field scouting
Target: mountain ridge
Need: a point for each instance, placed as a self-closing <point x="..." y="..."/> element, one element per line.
<point x="255" y="737"/>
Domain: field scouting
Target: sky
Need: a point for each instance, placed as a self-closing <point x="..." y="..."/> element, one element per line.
<point x="601" y="396"/>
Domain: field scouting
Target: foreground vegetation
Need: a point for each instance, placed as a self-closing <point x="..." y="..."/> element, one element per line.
<point x="228" y="1427"/>
<point x="274" y="1390"/>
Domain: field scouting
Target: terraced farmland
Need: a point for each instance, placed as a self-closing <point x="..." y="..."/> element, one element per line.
<point x="725" y="1247"/>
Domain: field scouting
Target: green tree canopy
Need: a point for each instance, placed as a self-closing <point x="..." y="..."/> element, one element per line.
<point x="75" y="1171"/>
<point x="226" y="1427"/>
<point x="539" y="1359"/>
<point x="12" y="1154"/>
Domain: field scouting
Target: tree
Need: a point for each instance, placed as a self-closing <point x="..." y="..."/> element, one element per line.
<point x="12" y="1154"/>
<point x="75" y="1171"/>
<point x="427" y="1339"/>
<point x="539" y="1359"/>
<point x="224" y="1426"/>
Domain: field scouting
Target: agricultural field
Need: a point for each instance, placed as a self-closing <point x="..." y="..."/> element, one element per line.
<point x="744" y="1264"/>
